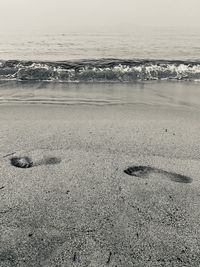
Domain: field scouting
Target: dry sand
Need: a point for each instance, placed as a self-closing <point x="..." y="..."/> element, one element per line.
<point x="84" y="210"/>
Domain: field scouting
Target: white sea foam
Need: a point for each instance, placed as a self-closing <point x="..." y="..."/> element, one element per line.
<point x="103" y="70"/>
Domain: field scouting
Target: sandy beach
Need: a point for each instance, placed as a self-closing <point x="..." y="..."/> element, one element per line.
<point x="99" y="133"/>
<point x="77" y="207"/>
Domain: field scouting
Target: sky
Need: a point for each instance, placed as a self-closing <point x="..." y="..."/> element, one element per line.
<point x="94" y="15"/>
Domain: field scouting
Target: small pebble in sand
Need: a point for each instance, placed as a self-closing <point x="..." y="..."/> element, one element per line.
<point x="74" y="257"/>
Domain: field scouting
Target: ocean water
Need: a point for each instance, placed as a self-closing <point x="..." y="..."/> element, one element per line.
<point x="139" y="43"/>
<point x="101" y="68"/>
<point x="141" y="54"/>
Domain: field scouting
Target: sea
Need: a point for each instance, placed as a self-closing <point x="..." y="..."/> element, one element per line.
<point x="59" y="63"/>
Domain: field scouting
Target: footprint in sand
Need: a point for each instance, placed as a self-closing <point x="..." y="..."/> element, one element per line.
<point x="27" y="162"/>
<point x="21" y="162"/>
<point x="150" y="172"/>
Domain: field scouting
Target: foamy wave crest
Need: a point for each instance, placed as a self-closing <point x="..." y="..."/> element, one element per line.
<point x="102" y="70"/>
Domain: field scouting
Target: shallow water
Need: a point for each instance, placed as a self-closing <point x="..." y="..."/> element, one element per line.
<point x="161" y="93"/>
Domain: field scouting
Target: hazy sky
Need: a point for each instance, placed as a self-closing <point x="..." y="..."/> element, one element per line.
<point x="86" y="15"/>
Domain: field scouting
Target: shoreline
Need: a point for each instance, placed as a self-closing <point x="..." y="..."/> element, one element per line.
<point x="175" y="94"/>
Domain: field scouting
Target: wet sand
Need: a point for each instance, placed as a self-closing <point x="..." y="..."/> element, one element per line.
<point x="75" y="206"/>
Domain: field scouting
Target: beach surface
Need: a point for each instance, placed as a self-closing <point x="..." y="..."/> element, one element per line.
<point x="76" y="206"/>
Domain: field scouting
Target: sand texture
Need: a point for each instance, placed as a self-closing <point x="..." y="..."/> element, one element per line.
<point x="75" y="205"/>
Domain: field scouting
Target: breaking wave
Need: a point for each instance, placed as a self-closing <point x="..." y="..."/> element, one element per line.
<point x="102" y="70"/>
